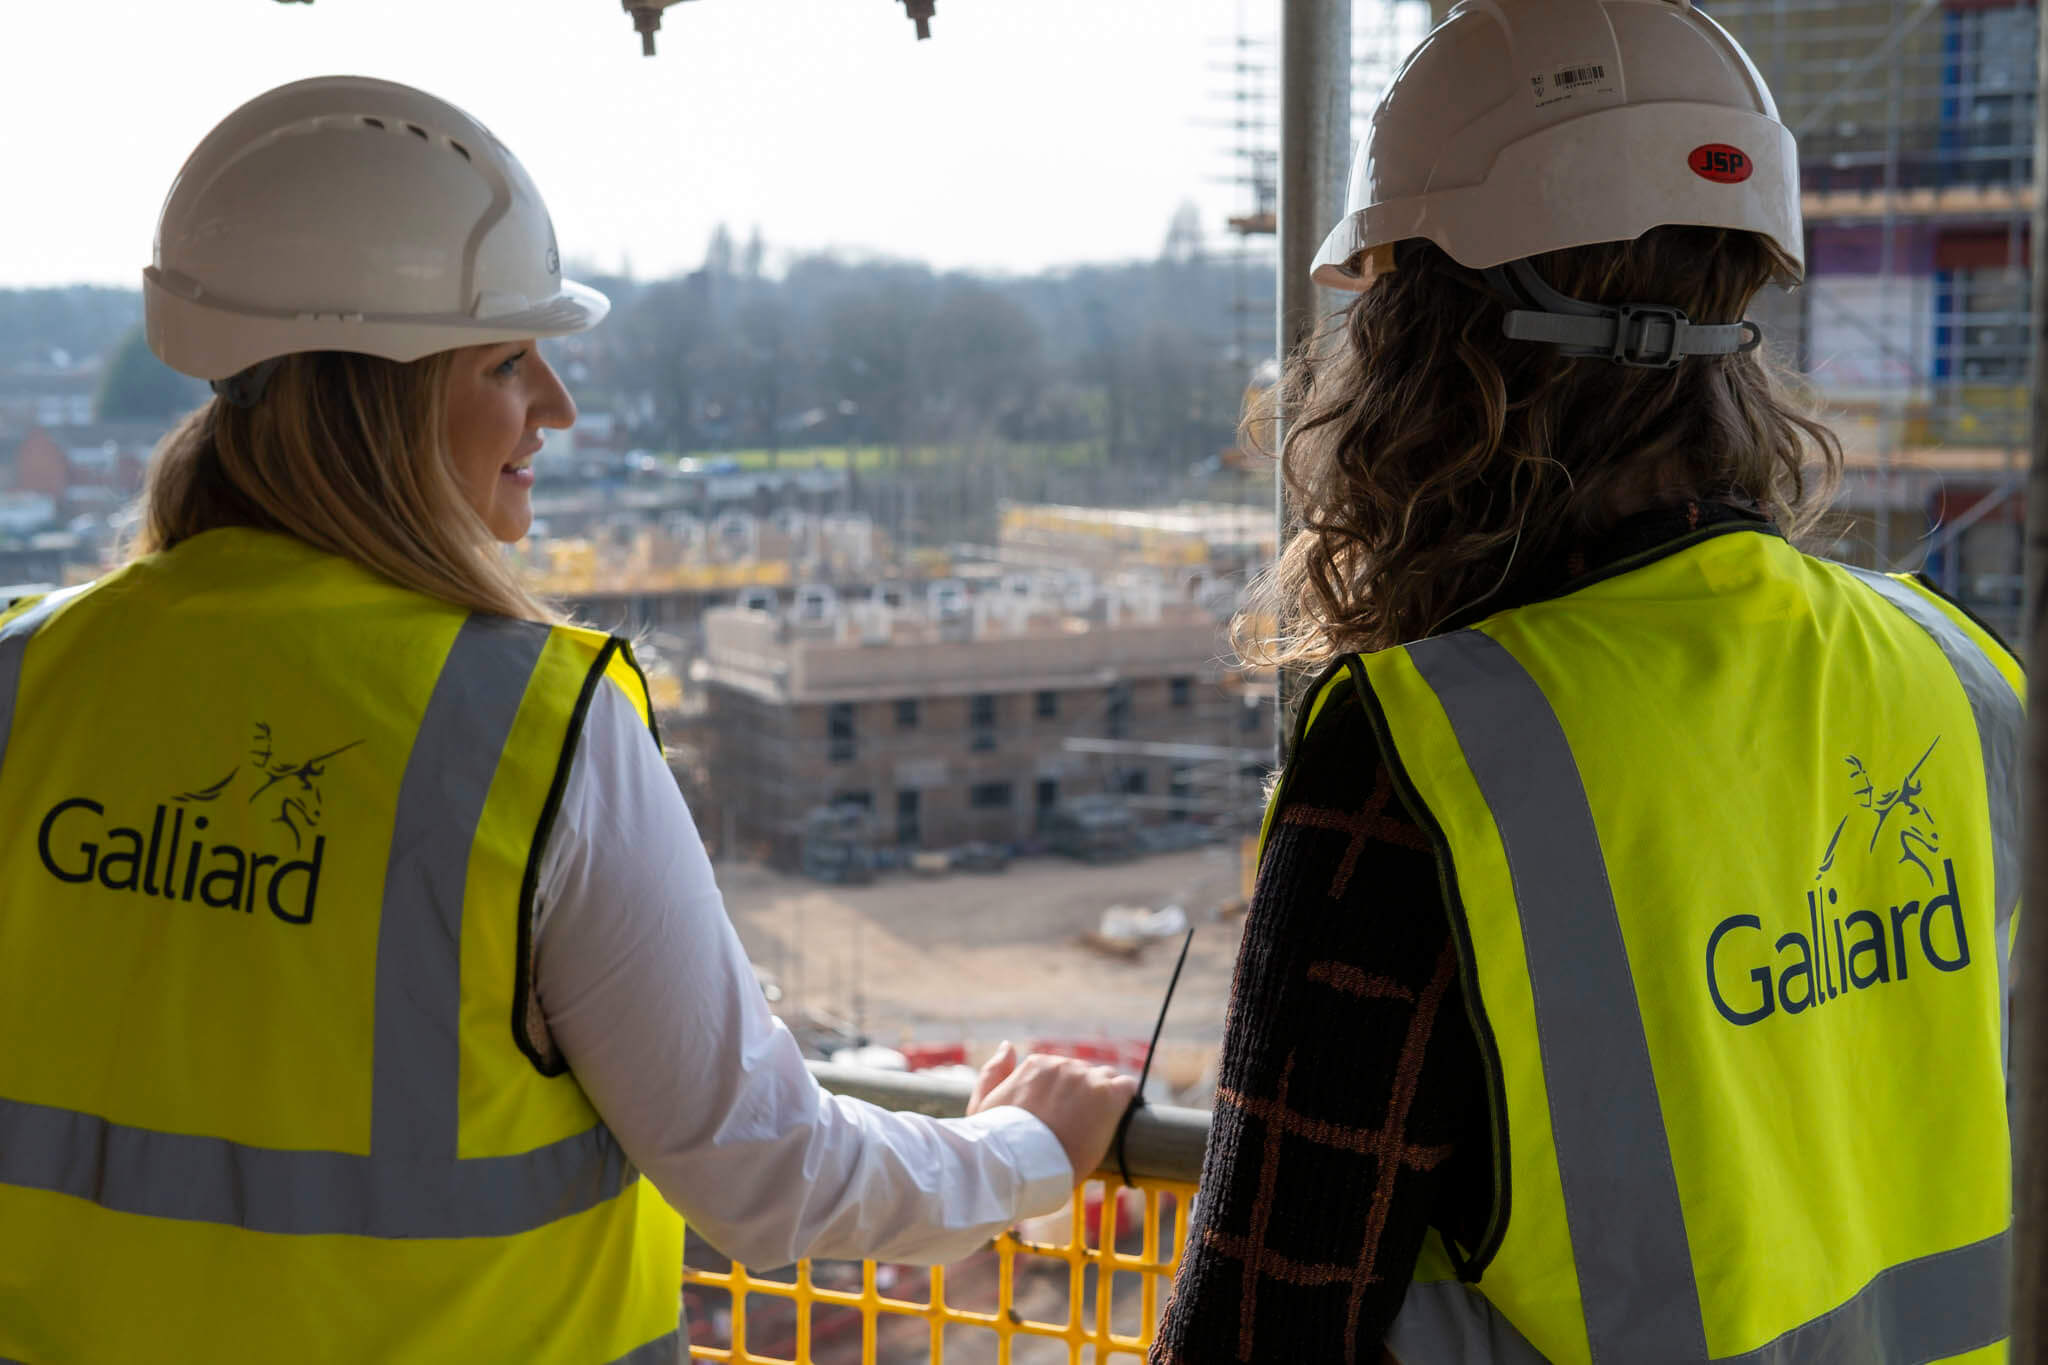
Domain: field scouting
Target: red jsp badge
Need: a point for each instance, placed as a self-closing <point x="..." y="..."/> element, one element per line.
<point x="1719" y="162"/>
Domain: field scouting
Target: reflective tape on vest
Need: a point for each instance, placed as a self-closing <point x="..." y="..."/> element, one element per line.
<point x="14" y="638"/>
<point x="1614" y="1160"/>
<point x="1625" y="1219"/>
<point x="412" y="1184"/>
<point x="2000" y="732"/>
<point x="668" y="1350"/>
<point x="1915" y="1311"/>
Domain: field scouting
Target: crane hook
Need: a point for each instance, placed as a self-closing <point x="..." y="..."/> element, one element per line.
<point x="646" y="22"/>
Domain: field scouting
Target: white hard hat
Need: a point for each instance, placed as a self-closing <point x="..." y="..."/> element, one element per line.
<point x="351" y="214"/>
<point x="1525" y="126"/>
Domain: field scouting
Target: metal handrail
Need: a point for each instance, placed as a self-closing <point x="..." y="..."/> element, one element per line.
<point x="1163" y="1142"/>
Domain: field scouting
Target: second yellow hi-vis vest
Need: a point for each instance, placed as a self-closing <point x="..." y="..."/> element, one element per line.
<point x="269" y="833"/>
<point x="1730" y="840"/>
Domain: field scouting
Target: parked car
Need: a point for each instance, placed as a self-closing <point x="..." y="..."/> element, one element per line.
<point x="981" y="857"/>
<point x="835" y="845"/>
<point x="1092" y="828"/>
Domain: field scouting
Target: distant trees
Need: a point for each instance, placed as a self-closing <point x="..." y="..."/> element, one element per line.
<point x="1134" y="359"/>
<point x="138" y="386"/>
<point x="755" y="351"/>
<point x="869" y="339"/>
<point x="979" y="362"/>
<point x="77" y="320"/>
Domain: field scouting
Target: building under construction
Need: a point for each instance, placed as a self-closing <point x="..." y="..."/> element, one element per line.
<point x="1916" y="139"/>
<point x="948" y="718"/>
<point x="1197" y="545"/>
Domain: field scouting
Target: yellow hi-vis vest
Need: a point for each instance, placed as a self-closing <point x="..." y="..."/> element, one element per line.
<point x="269" y="835"/>
<point x="1730" y="841"/>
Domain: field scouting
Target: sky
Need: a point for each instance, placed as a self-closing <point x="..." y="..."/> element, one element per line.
<point x="1024" y="134"/>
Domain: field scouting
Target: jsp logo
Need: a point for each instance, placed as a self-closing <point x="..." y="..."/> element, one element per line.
<point x="79" y="845"/>
<point x="1838" y="953"/>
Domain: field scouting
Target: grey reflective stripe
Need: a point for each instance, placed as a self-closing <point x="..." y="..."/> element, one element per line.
<point x="1614" y="1161"/>
<point x="1626" y="1223"/>
<point x="263" y="1189"/>
<point x="412" y="1184"/>
<point x="14" y="638"/>
<point x="419" y="939"/>
<point x="1930" y="1309"/>
<point x="2001" y="727"/>
<point x="2001" y="731"/>
<point x="665" y="1350"/>
<point x="1443" y="1321"/>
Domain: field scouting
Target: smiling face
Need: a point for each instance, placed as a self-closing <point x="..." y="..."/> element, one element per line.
<point x="500" y="397"/>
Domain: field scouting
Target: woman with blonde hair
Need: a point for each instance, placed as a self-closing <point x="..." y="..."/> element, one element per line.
<point x="368" y="993"/>
<point x="1626" y="978"/>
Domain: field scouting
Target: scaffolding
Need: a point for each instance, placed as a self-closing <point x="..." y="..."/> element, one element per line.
<point x="1382" y="33"/>
<point x="1254" y="156"/>
<point x="1915" y="122"/>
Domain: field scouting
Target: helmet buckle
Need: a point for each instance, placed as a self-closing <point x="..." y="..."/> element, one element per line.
<point x="1648" y="336"/>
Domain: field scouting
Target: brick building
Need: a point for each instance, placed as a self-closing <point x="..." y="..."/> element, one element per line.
<point x="41" y="465"/>
<point x="950" y="723"/>
<point x="86" y="468"/>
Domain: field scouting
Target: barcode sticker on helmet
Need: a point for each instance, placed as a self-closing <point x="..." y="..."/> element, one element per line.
<point x="1567" y="81"/>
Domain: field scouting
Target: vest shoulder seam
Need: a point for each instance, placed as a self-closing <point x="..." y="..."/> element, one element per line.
<point x="625" y="651"/>
<point x="1468" y="1267"/>
<point x="529" y="884"/>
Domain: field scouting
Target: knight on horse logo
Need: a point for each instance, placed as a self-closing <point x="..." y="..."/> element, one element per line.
<point x="299" y="805"/>
<point x="1901" y="808"/>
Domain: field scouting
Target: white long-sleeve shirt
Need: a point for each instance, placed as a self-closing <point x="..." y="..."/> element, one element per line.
<point x="648" y="994"/>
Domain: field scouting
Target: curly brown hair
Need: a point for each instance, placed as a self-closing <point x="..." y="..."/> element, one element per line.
<point x="1432" y="462"/>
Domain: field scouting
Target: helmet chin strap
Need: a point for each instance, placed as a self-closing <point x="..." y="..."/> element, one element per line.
<point x="1646" y="335"/>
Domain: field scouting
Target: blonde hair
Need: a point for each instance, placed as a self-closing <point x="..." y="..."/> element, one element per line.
<point x="348" y="453"/>
<point x="1434" y="463"/>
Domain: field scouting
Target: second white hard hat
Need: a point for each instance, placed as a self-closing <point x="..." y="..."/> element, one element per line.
<point x="1525" y="126"/>
<point x="350" y="214"/>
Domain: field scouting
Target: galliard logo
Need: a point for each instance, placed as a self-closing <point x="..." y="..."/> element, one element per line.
<point x="79" y="843"/>
<point x="1902" y="808"/>
<point x="1843" y="952"/>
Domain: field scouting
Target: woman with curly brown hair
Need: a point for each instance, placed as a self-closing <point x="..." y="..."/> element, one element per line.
<point x="1627" y="975"/>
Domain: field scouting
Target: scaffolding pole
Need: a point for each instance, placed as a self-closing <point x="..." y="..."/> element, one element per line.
<point x="2030" y="966"/>
<point x="1315" y="148"/>
<point x="1315" y="155"/>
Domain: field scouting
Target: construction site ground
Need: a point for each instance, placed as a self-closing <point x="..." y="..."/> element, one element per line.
<point x="980" y="957"/>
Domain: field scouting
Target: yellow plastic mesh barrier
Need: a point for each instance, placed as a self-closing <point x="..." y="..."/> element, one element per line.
<point x="1101" y="1325"/>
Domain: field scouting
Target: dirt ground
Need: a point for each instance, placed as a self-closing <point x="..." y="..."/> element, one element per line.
<point x="976" y="958"/>
<point x="983" y="957"/>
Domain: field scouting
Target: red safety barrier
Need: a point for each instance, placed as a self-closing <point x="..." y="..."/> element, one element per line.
<point x="1125" y="1054"/>
<point x="924" y="1056"/>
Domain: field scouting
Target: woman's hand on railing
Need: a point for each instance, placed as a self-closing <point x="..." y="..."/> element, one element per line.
<point x="1081" y="1103"/>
